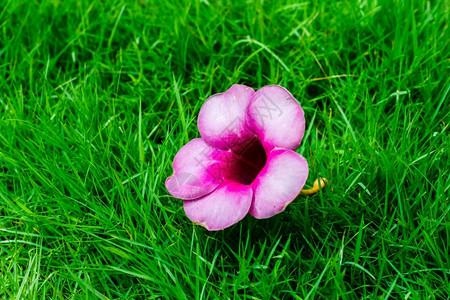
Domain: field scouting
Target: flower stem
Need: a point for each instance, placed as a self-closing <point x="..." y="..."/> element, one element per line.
<point x="316" y="187"/>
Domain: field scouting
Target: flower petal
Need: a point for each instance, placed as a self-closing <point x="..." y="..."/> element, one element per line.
<point x="278" y="183"/>
<point x="197" y="170"/>
<point x="276" y="117"/>
<point x="222" y="118"/>
<point x="227" y="205"/>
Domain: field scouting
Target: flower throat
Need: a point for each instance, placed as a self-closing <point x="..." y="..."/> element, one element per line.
<point x="249" y="161"/>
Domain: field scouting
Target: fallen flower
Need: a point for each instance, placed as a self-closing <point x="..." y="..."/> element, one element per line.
<point x="245" y="161"/>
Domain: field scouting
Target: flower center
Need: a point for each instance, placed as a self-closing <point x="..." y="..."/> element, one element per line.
<point x="249" y="161"/>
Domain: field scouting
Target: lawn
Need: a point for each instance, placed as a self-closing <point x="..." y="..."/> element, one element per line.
<point x="97" y="97"/>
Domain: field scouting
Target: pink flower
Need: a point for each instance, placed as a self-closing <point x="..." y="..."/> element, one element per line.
<point x="245" y="161"/>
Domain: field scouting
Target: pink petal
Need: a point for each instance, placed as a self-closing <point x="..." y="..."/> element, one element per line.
<point x="276" y="117"/>
<point x="197" y="170"/>
<point x="278" y="183"/>
<point x="222" y="118"/>
<point x="227" y="205"/>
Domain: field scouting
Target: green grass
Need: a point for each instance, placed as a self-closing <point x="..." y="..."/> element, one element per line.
<point x="97" y="97"/>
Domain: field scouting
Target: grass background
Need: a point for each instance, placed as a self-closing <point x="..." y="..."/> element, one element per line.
<point x="96" y="98"/>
